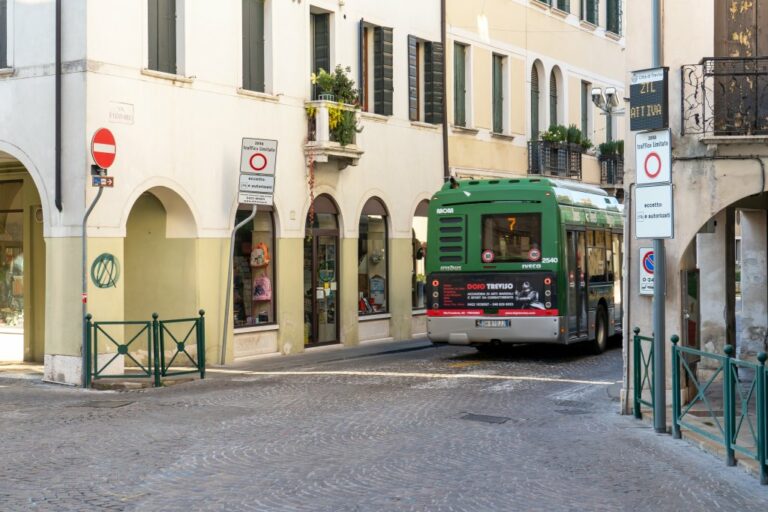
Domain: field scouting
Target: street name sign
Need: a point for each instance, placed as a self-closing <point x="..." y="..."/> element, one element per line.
<point x="646" y="271"/>
<point x="649" y="99"/>
<point x="653" y="157"/>
<point x="654" y="215"/>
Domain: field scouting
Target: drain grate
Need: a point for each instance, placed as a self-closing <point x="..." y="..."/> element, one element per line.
<point x="103" y="404"/>
<point x="483" y="418"/>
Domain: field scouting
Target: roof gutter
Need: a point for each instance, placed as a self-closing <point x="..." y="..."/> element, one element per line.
<point x="58" y="106"/>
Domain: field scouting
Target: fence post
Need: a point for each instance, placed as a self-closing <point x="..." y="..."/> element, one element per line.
<point x="675" y="388"/>
<point x="636" y="373"/>
<point x="87" y="348"/>
<point x="201" y="343"/>
<point x="762" y="419"/>
<point x="729" y="406"/>
<point x="156" y="348"/>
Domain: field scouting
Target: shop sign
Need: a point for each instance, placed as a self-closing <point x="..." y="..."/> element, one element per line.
<point x="649" y="99"/>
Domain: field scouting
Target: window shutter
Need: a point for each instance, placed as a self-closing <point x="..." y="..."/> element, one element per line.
<point x="552" y="99"/>
<point x="498" y="94"/>
<point x="3" y="34"/>
<point x="534" y="104"/>
<point x="613" y="15"/>
<point x="382" y="71"/>
<point x="585" y="97"/>
<point x="434" y="79"/>
<point x="162" y="35"/>
<point x="564" y="5"/>
<point x="253" y="45"/>
<point x="361" y="78"/>
<point x="152" y="18"/>
<point x="413" y="78"/>
<point x="459" y="85"/>
<point x="592" y="10"/>
<point x="322" y="45"/>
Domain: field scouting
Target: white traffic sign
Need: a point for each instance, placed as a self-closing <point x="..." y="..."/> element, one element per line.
<point x="646" y="271"/>
<point x="258" y="156"/>
<point x="258" y="199"/>
<point x="255" y="184"/>
<point x="654" y="215"/>
<point x="653" y="157"/>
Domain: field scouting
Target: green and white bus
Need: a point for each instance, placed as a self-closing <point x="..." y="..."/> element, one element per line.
<point x="523" y="260"/>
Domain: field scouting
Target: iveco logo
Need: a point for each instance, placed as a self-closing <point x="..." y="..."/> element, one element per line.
<point x="444" y="210"/>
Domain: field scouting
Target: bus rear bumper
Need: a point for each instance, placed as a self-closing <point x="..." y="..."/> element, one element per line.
<point x="465" y="331"/>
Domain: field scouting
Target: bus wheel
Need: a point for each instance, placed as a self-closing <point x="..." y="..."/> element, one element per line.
<point x="601" y="331"/>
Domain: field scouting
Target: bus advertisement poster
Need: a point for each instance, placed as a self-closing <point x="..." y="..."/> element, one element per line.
<point x="529" y="294"/>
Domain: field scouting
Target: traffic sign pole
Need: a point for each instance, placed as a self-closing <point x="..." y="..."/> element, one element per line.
<point x="84" y="349"/>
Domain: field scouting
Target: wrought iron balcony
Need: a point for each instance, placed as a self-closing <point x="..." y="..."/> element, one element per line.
<point x="611" y="170"/>
<point x="554" y="159"/>
<point x="332" y="130"/>
<point x="724" y="97"/>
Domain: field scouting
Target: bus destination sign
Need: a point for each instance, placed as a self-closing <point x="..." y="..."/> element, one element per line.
<point x="649" y="100"/>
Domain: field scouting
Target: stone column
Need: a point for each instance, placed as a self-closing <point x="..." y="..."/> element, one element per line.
<point x="754" y="295"/>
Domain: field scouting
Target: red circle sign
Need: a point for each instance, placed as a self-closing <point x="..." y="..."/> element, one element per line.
<point x="534" y="254"/>
<point x="488" y="256"/>
<point x="103" y="148"/>
<point x="652" y="174"/>
<point x="255" y="164"/>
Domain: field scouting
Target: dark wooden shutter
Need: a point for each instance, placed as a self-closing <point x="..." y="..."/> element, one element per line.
<point x="382" y="71"/>
<point x="3" y="34"/>
<point x="434" y="79"/>
<point x="564" y="5"/>
<point x="534" y="104"/>
<point x="552" y="99"/>
<point x="361" y="61"/>
<point x="613" y="16"/>
<point x="498" y="94"/>
<point x="162" y="35"/>
<point x="253" y="45"/>
<point x="413" y="78"/>
<point x="459" y="85"/>
<point x="321" y="44"/>
<point x="585" y="98"/>
<point x="592" y="7"/>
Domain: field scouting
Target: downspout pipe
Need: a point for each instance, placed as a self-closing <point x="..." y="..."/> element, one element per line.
<point x="57" y="107"/>
<point x="444" y="42"/>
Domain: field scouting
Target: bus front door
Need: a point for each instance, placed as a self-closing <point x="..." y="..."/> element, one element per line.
<point x="577" y="289"/>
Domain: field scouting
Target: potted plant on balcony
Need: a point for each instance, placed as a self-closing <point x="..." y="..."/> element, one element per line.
<point x="340" y="88"/>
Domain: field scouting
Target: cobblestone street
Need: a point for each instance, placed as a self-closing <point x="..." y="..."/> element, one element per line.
<point x="414" y="428"/>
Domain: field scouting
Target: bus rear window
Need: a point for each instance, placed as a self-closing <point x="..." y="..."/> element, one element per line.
<point x="511" y="237"/>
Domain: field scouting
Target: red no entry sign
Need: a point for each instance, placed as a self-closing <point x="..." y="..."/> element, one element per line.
<point x="103" y="148"/>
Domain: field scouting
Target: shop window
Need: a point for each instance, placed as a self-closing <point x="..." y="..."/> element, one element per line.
<point x="372" y="273"/>
<point x="11" y="255"/>
<point x="598" y="256"/>
<point x="254" y="270"/>
<point x="419" y="256"/>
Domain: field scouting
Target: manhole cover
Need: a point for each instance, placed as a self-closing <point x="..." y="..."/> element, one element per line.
<point x="485" y="418"/>
<point x="103" y="404"/>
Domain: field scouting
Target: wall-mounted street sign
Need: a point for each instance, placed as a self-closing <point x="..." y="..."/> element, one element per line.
<point x="653" y="157"/>
<point x="646" y="271"/>
<point x="649" y="99"/>
<point x="103" y="181"/>
<point x="258" y="159"/>
<point x="654" y="215"/>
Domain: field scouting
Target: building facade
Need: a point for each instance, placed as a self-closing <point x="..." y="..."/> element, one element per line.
<point x="515" y="69"/>
<point x="716" y="261"/>
<point x="181" y="83"/>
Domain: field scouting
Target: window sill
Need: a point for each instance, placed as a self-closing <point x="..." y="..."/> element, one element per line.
<point x="502" y="136"/>
<point x="588" y="25"/>
<point x="258" y="95"/>
<point x="464" y="129"/>
<point x="613" y="35"/>
<point x="541" y="4"/>
<point x="7" y="71"/>
<point x="371" y="318"/>
<point x="422" y="124"/>
<point x="167" y="76"/>
<point x="372" y="116"/>
<point x="559" y="12"/>
<point x="735" y="139"/>
<point x="257" y="328"/>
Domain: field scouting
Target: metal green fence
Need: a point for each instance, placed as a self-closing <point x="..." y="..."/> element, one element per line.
<point x="153" y="349"/>
<point x="642" y="348"/>
<point x="730" y="405"/>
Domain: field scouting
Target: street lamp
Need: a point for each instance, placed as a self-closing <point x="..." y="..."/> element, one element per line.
<point x="608" y="103"/>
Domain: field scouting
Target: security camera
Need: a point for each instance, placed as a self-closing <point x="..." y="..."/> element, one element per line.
<point x="611" y="97"/>
<point x="597" y="97"/>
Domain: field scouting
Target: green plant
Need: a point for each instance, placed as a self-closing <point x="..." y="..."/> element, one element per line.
<point x="338" y="83"/>
<point x="573" y="134"/>
<point x="311" y="111"/>
<point x="620" y="148"/>
<point x="585" y="144"/>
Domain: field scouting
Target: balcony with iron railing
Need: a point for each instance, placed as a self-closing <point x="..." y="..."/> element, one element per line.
<point x="332" y="130"/>
<point x="611" y="171"/>
<point x="554" y="159"/>
<point x="725" y="98"/>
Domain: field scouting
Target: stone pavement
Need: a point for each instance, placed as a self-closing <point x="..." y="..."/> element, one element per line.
<point x="392" y="428"/>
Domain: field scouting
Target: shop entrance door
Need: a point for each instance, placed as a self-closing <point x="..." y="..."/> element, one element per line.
<point x="321" y="280"/>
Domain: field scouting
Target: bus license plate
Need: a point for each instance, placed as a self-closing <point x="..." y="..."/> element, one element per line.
<point x="492" y="323"/>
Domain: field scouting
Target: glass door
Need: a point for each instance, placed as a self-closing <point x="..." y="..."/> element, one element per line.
<point x="321" y="280"/>
<point x="577" y="300"/>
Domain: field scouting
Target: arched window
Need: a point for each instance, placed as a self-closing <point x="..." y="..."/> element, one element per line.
<point x="253" y="290"/>
<point x="534" y="103"/>
<point x="372" y="259"/>
<point x="552" y="99"/>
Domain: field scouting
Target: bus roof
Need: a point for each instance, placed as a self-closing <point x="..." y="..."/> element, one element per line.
<point x="570" y="193"/>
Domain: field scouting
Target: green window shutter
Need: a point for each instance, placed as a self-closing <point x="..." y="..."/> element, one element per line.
<point x="459" y="85"/>
<point x="498" y="94"/>
<point x="592" y="8"/>
<point x="534" y="104"/>
<point x="162" y="35"/>
<point x="3" y="34"/>
<point x="552" y="100"/>
<point x="613" y="16"/>
<point x="564" y="5"/>
<point x="382" y="71"/>
<point x="434" y="80"/>
<point x="253" y="45"/>
<point x="321" y="44"/>
<point x="413" y="78"/>
<point x="361" y="78"/>
<point x="585" y="97"/>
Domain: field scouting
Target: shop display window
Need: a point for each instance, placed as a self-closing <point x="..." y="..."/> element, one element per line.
<point x="11" y="255"/>
<point x="372" y="282"/>
<point x="254" y="271"/>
